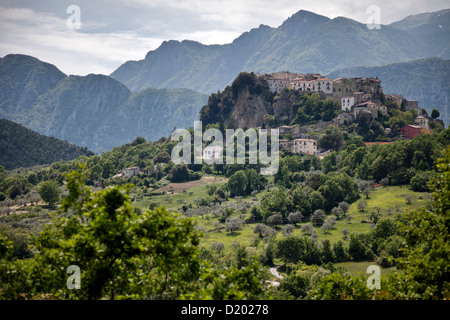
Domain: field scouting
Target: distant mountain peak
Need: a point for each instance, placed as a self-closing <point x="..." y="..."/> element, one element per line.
<point x="305" y="42"/>
<point x="303" y="18"/>
<point x="306" y="14"/>
<point x="438" y="18"/>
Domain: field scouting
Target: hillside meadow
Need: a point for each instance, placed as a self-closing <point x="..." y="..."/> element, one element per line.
<point x="386" y="202"/>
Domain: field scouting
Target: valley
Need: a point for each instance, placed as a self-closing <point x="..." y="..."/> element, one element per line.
<point x="96" y="176"/>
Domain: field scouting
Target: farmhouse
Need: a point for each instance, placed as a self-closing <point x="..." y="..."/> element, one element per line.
<point x="130" y="172"/>
<point x="284" y="144"/>
<point x="344" y="116"/>
<point x="308" y="146"/>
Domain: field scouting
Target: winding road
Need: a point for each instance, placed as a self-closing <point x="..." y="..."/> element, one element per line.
<point x="274" y="271"/>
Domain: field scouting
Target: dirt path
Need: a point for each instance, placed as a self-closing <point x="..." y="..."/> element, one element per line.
<point x="274" y="271"/>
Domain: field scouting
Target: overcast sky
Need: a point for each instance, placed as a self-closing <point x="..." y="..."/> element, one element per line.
<point x="114" y="31"/>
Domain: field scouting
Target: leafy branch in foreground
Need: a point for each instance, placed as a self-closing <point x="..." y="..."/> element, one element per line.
<point x="121" y="254"/>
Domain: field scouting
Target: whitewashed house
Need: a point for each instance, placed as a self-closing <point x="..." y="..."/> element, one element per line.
<point x="212" y="152"/>
<point x="347" y="103"/>
<point x="324" y="85"/>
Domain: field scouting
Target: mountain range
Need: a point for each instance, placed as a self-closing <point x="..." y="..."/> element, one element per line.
<point x="305" y="42"/>
<point x="170" y="86"/>
<point x="93" y="111"/>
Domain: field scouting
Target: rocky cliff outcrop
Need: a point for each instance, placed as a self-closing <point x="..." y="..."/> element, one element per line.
<point x="249" y="110"/>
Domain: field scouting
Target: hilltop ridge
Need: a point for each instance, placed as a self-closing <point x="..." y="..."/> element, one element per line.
<point x="305" y="42"/>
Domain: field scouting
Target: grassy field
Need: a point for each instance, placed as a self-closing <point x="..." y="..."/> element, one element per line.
<point x="388" y="201"/>
<point x="183" y="193"/>
<point x="391" y="201"/>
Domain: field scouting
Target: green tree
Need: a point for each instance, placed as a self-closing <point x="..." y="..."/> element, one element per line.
<point x="295" y="217"/>
<point x="253" y="180"/>
<point x="162" y="157"/>
<point x="332" y="140"/>
<point x="179" y="173"/>
<point x="420" y="181"/>
<point x="275" y="219"/>
<point x="120" y="254"/>
<point x="296" y="285"/>
<point x="294" y="248"/>
<point x="233" y="224"/>
<point x="49" y="192"/>
<point x="2" y="173"/>
<point x="423" y="269"/>
<point x="341" y="287"/>
<point x="339" y="251"/>
<point x="277" y="200"/>
<point x="435" y="113"/>
<point x="318" y="217"/>
<point x="232" y="283"/>
<point x="289" y="249"/>
<point x="357" y="249"/>
<point x="237" y="184"/>
<point x="327" y="251"/>
<point x="107" y="169"/>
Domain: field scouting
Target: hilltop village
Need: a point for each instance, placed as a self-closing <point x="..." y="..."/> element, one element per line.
<point x="355" y="95"/>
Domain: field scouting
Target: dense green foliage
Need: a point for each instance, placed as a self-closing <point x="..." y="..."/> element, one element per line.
<point x="49" y="192"/>
<point x="121" y="254"/>
<point x="309" y="108"/>
<point x="424" y="260"/>
<point x="21" y="147"/>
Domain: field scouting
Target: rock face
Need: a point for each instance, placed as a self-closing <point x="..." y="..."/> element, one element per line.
<point x="283" y="106"/>
<point x="241" y="105"/>
<point x="249" y="110"/>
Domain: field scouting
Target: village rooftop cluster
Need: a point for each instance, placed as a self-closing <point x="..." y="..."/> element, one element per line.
<point x="355" y="95"/>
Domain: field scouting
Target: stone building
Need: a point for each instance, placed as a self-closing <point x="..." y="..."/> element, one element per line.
<point x="308" y="146"/>
<point x="130" y="172"/>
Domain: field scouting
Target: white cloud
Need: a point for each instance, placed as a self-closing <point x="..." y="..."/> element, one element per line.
<point x="48" y="38"/>
<point x="115" y="31"/>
